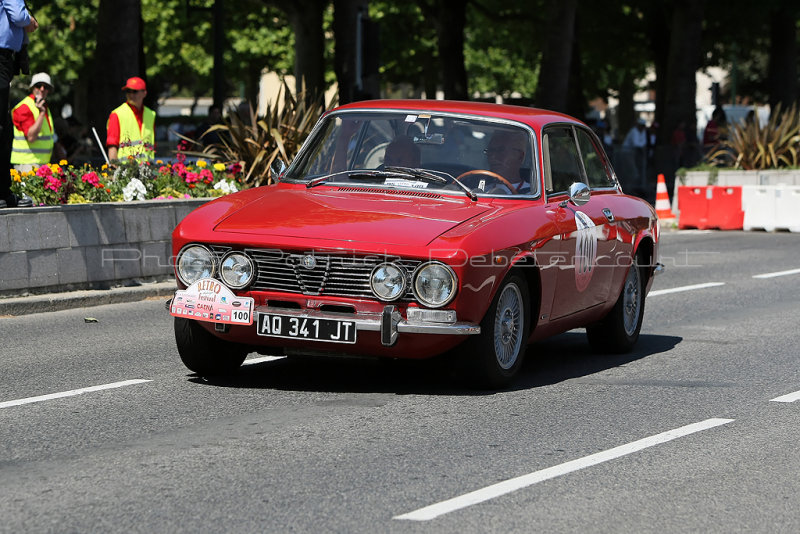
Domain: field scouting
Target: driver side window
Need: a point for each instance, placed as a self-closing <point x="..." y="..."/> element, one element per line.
<point x="563" y="159"/>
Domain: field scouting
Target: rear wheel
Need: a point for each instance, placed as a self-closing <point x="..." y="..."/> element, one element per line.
<point x="203" y="352"/>
<point x="496" y="355"/>
<point x="619" y="330"/>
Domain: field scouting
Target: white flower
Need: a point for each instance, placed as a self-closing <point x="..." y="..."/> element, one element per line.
<point x="226" y="186"/>
<point x="135" y="190"/>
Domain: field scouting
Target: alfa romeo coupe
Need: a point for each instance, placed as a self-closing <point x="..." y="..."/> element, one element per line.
<point x="413" y="228"/>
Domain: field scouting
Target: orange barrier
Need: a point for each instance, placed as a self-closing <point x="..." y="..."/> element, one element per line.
<point x="705" y="207"/>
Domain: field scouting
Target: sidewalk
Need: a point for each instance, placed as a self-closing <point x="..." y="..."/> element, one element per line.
<point x="84" y="299"/>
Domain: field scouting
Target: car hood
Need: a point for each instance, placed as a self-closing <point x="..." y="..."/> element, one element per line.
<point x="386" y="217"/>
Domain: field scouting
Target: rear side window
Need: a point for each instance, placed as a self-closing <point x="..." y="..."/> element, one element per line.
<point x="594" y="162"/>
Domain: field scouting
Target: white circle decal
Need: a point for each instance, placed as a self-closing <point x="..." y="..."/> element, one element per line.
<point x="585" y="250"/>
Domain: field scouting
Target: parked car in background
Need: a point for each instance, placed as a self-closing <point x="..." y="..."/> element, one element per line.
<point x="410" y="228"/>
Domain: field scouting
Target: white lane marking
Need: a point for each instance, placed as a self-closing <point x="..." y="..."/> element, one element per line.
<point x="789" y="397"/>
<point x="779" y="273"/>
<point x="253" y="361"/>
<point x="507" y="486"/>
<point x="71" y="393"/>
<point x="684" y="288"/>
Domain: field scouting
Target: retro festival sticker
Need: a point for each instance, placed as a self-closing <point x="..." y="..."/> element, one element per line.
<point x="585" y="250"/>
<point x="210" y="300"/>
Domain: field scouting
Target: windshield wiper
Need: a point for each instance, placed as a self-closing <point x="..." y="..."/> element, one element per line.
<point x="407" y="173"/>
<point x="422" y="174"/>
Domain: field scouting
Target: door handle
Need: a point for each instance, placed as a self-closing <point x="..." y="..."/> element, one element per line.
<point x="608" y="214"/>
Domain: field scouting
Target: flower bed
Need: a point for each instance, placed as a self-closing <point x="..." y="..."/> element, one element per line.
<point x="63" y="183"/>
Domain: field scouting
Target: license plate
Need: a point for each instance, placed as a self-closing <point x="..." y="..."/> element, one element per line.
<point x="331" y="330"/>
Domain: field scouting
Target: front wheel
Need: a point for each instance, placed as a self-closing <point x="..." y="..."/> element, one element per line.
<point x="203" y="352"/>
<point x="496" y="355"/>
<point x="618" y="331"/>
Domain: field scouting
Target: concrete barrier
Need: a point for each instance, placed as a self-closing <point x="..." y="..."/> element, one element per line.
<point x="87" y="246"/>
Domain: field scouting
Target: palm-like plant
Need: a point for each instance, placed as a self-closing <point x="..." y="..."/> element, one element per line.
<point x="751" y="146"/>
<point x="255" y="143"/>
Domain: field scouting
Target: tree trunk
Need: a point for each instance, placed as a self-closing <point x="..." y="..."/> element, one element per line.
<point x="685" y="47"/>
<point x="119" y="55"/>
<point x="355" y="83"/>
<point x="309" y="45"/>
<point x="553" y="86"/>
<point x="450" y="23"/>
<point x="783" y="57"/>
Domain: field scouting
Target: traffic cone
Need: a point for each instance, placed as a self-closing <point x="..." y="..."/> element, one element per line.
<point x="663" y="209"/>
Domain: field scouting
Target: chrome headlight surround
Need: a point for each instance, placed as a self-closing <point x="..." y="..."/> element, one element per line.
<point x="435" y="284"/>
<point x="195" y="262"/>
<point x="388" y="281"/>
<point x="237" y="270"/>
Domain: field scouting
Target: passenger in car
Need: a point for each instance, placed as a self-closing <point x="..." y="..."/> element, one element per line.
<point x="402" y="152"/>
<point x="505" y="154"/>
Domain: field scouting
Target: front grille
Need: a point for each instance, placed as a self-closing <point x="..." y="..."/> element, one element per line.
<point x="318" y="273"/>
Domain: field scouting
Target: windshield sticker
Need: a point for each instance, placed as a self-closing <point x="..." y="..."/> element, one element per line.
<point x="585" y="250"/>
<point x="399" y="182"/>
<point x="411" y="118"/>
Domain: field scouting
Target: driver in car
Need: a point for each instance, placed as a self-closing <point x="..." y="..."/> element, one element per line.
<point x="505" y="154"/>
<point x="402" y="152"/>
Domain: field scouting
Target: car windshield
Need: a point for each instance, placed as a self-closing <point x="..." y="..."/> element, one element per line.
<point x="463" y="155"/>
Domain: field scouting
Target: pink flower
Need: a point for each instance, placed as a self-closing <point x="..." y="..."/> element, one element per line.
<point x="180" y="169"/>
<point x="207" y="176"/>
<point x="163" y="169"/>
<point x="91" y="178"/>
<point x="191" y="177"/>
<point x="52" y="183"/>
<point x="44" y="171"/>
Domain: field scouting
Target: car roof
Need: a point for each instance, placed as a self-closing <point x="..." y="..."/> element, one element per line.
<point x="531" y="116"/>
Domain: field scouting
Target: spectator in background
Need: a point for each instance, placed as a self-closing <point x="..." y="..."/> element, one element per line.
<point x="131" y="126"/>
<point x="214" y="117"/>
<point x="34" y="128"/>
<point x="636" y="142"/>
<point x="716" y="130"/>
<point x="15" y="21"/>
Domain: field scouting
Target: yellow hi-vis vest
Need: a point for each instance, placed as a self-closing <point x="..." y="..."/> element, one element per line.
<point x="132" y="141"/>
<point x="38" y="152"/>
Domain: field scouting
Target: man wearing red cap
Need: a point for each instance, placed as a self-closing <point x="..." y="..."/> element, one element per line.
<point x="131" y="127"/>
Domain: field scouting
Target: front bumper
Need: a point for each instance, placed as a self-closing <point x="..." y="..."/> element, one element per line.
<point x="389" y="322"/>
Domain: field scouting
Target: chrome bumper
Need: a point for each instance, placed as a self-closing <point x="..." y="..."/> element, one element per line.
<point x="389" y="322"/>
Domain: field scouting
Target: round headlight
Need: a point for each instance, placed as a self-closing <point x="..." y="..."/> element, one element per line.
<point x="435" y="284"/>
<point x="195" y="262"/>
<point x="236" y="270"/>
<point x="388" y="281"/>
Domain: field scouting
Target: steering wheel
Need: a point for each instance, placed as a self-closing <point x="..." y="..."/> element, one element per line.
<point x="490" y="174"/>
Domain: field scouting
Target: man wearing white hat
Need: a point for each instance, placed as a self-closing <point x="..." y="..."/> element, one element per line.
<point x="33" y="126"/>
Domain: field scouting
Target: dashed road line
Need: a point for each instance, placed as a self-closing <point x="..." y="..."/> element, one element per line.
<point x="507" y="486"/>
<point x="262" y="359"/>
<point x="789" y="397"/>
<point x="71" y="393"/>
<point x="779" y="273"/>
<point x="684" y="288"/>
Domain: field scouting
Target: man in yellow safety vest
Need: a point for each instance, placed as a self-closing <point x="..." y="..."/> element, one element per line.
<point x="33" y="126"/>
<point x="131" y="126"/>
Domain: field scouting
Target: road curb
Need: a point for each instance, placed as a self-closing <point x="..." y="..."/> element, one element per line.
<point x="83" y="299"/>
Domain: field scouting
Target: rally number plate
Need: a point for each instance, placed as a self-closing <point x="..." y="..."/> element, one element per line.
<point x="288" y="326"/>
<point x="209" y="300"/>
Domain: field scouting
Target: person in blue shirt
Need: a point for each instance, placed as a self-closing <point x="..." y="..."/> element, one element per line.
<point x="15" y="22"/>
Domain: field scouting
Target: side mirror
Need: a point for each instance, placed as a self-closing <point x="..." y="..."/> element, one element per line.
<point x="277" y="168"/>
<point x="579" y="193"/>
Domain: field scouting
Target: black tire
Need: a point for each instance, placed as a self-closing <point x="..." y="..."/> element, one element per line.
<point x="203" y="352"/>
<point x="618" y="331"/>
<point x="496" y="354"/>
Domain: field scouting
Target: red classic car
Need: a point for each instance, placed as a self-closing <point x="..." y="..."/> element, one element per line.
<point x="410" y="228"/>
